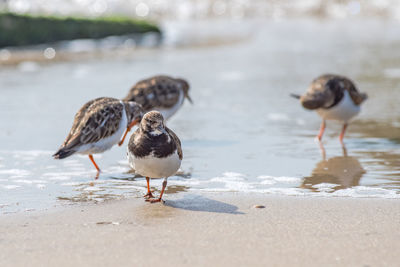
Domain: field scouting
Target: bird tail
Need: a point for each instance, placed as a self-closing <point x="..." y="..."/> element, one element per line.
<point x="63" y="153"/>
<point x="295" y="96"/>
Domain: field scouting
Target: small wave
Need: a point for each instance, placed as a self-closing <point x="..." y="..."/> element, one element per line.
<point x="266" y="179"/>
<point x="278" y="117"/>
<point x="10" y="186"/>
<point x="30" y="181"/>
<point x="392" y="73"/>
<point x="232" y="76"/>
<point x="15" y="172"/>
<point x="279" y="185"/>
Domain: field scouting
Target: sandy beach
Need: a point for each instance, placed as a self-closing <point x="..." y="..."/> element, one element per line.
<point x="213" y="229"/>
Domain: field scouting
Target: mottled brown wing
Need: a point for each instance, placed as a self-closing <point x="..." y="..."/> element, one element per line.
<point x="155" y="92"/>
<point x="97" y="119"/>
<point x="177" y="142"/>
<point x="318" y="94"/>
<point x="324" y="92"/>
<point x="78" y="119"/>
<point x="327" y="90"/>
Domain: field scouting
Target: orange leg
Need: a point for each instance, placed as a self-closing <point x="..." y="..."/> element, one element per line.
<point x="149" y="194"/>
<point x="123" y="138"/>
<point x="127" y="130"/>
<point x="321" y="130"/>
<point x="94" y="163"/>
<point x="342" y="133"/>
<point x="164" y="185"/>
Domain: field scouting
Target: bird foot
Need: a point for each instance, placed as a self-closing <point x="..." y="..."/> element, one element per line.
<point x="155" y="200"/>
<point x="318" y="139"/>
<point x="148" y="195"/>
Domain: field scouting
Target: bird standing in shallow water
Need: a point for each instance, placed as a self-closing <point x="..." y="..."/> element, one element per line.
<point x="334" y="97"/>
<point x="99" y="125"/>
<point x="162" y="93"/>
<point x="154" y="151"/>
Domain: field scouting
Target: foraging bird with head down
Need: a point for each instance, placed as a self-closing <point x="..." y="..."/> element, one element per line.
<point x="99" y="125"/>
<point x="333" y="97"/>
<point x="154" y="151"/>
<point x="162" y="93"/>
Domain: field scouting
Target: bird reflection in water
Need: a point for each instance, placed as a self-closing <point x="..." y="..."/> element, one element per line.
<point x="344" y="171"/>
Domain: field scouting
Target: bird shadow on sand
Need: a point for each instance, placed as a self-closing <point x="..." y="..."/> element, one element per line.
<point x="200" y="203"/>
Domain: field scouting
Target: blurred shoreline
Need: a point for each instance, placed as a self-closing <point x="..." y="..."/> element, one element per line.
<point x="176" y="35"/>
<point x="206" y="9"/>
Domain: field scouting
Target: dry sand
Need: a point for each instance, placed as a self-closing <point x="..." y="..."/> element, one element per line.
<point x="207" y="230"/>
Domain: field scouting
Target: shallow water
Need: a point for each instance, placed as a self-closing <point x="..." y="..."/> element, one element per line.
<point x="243" y="133"/>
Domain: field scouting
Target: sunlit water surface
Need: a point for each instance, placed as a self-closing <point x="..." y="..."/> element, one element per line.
<point x="243" y="133"/>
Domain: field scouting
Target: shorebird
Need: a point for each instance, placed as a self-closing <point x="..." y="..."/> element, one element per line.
<point x="334" y="97"/>
<point x="162" y="93"/>
<point x="154" y="151"/>
<point x="99" y="125"/>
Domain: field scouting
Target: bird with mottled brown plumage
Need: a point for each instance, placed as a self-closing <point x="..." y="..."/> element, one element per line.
<point x="334" y="97"/>
<point x="162" y="93"/>
<point x="154" y="151"/>
<point x="98" y="125"/>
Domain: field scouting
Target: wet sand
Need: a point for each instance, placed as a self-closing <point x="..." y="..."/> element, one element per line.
<point x="213" y="229"/>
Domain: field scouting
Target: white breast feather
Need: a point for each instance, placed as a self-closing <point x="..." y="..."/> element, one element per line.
<point x="153" y="167"/>
<point x="167" y="113"/>
<point x="343" y="111"/>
